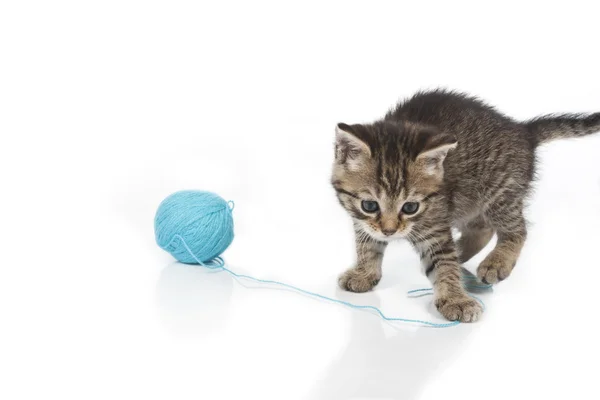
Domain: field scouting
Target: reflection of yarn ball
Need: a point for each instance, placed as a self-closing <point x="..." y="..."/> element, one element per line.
<point x="202" y="219"/>
<point x="193" y="301"/>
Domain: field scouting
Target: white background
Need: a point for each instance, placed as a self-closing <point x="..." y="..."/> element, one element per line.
<point x="107" y="107"/>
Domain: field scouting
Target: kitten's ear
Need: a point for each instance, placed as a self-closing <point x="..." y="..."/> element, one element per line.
<point x="434" y="150"/>
<point x="349" y="148"/>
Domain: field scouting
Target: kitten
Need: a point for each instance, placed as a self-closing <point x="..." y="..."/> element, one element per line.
<point x="440" y="160"/>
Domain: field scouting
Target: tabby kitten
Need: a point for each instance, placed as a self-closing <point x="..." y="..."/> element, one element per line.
<point x="440" y="160"/>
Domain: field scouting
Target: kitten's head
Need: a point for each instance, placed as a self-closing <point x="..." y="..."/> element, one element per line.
<point x="388" y="174"/>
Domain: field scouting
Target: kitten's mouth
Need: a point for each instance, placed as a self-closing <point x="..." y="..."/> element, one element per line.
<point x="391" y="238"/>
<point x="385" y="238"/>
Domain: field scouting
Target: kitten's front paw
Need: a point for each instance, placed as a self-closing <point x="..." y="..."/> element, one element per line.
<point x="494" y="268"/>
<point x="459" y="308"/>
<point x="358" y="280"/>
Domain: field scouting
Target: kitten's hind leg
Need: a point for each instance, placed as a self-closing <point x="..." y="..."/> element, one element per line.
<point x="367" y="272"/>
<point x="512" y="231"/>
<point x="475" y="235"/>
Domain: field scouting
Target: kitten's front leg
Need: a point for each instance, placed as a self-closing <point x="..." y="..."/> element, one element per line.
<point x="367" y="272"/>
<point x="438" y="253"/>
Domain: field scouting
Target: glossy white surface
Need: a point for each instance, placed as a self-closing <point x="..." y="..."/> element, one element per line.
<point x="107" y="109"/>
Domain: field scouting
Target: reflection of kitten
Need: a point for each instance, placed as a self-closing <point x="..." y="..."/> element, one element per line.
<point x="442" y="160"/>
<point x="368" y="367"/>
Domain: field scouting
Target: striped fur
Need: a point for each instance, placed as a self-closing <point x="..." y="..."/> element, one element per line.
<point x="467" y="165"/>
<point x="558" y="126"/>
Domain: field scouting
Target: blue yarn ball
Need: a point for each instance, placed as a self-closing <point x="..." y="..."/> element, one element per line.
<point x="202" y="219"/>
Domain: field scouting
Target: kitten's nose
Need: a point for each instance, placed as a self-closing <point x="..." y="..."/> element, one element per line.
<point x="388" y="232"/>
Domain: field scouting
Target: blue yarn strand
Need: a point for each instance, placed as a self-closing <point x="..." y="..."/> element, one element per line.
<point x="218" y="264"/>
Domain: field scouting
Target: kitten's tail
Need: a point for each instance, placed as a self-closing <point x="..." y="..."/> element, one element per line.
<point x="559" y="126"/>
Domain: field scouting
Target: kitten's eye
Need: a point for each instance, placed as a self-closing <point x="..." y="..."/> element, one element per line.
<point x="369" y="206"/>
<point x="410" y="207"/>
